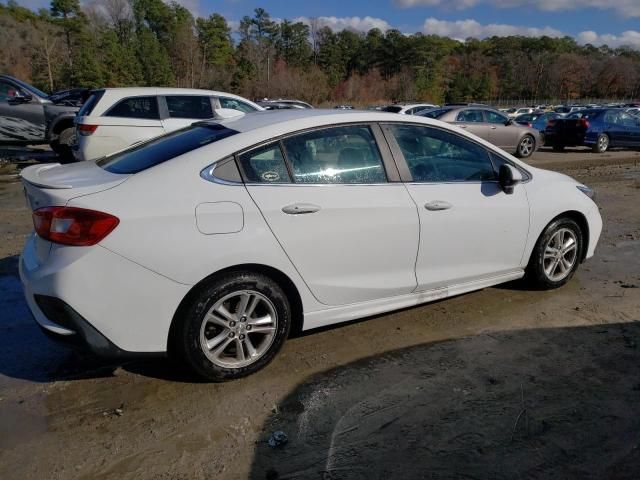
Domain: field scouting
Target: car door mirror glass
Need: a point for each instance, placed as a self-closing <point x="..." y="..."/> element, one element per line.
<point x="509" y="177"/>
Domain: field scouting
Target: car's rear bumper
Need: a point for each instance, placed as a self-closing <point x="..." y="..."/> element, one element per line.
<point x="94" y="297"/>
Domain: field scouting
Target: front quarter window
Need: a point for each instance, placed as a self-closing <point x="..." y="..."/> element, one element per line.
<point x="235" y="104"/>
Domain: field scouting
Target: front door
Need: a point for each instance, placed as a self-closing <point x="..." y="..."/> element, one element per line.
<point x="21" y="118"/>
<point x="351" y="234"/>
<point x="502" y="132"/>
<point x="470" y="229"/>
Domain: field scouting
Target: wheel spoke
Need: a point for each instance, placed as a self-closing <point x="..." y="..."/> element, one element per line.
<point x="239" y="351"/>
<point x="260" y="321"/>
<point x="222" y="311"/>
<point x="550" y="252"/>
<point x="216" y="319"/>
<point x="566" y="264"/>
<point x="251" y="350"/>
<point x="263" y="329"/>
<point x="215" y="341"/>
<point x="220" y="350"/>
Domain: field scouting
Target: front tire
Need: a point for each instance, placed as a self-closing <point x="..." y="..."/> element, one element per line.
<point x="602" y="143"/>
<point x="526" y="147"/>
<point x="556" y="255"/>
<point x="235" y="326"/>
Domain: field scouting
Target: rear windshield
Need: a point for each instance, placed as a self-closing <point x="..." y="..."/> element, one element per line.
<point x="392" y="109"/>
<point x="434" y="113"/>
<point x="161" y="149"/>
<point x="90" y="104"/>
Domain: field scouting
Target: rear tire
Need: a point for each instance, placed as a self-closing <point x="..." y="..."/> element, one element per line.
<point x="234" y="326"/>
<point x="526" y="147"/>
<point x="64" y="143"/>
<point x="556" y="255"/>
<point x="602" y="143"/>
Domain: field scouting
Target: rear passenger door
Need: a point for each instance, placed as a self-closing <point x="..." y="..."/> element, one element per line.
<point x="131" y="120"/>
<point x="472" y="120"/>
<point x="182" y="110"/>
<point x="333" y="200"/>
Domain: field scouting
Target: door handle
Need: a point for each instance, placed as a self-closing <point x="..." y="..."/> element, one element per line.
<point x="462" y="126"/>
<point x="437" y="205"/>
<point x="300" y="208"/>
<point x="493" y="128"/>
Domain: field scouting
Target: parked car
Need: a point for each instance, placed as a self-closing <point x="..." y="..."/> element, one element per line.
<point x="115" y="118"/>
<point x="635" y="111"/>
<point x="491" y="125"/>
<point x="344" y="107"/>
<point x="29" y="116"/>
<point x="537" y="120"/>
<point x="599" y="129"/>
<point x="408" y="109"/>
<point x="272" y="105"/>
<point x="201" y="243"/>
<point x="513" y="113"/>
<point x="567" y="110"/>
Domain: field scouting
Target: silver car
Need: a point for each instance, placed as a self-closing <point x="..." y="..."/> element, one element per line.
<point x="491" y="125"/>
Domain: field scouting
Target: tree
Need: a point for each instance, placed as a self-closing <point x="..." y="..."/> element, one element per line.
<point x="70" y="17"/>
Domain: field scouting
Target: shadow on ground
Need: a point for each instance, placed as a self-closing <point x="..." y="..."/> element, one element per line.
<point x="27" y="354"/>
<point x="549" y="403"/>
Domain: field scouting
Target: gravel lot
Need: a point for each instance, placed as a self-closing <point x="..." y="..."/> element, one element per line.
<point x="501" y="383"/>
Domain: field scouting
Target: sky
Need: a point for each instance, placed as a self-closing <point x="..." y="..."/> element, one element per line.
<point x="614" y="22"/>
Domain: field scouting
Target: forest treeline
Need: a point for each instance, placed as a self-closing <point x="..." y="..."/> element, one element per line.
<point x="113" y="43"/>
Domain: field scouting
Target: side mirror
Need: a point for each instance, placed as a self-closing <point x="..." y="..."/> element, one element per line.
<point x="18" y="99"/>
<point x="509" y="177"/>
<point x="508" y="122"/>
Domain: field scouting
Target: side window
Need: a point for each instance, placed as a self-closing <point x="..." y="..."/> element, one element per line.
<point x="265" y="165"/>
<point x="626" y="120"/>
<point x="136" y="107"/>
<point x="335" y="155"/>
<point x="435" y="155"/>
<point x="7" y="90"/>
<point x="235" y="104"/>
<point x="611" y="117"/>
<point x="189" y="106"/>
<point x="473" y="116"/>
<point x="495" y="117"/>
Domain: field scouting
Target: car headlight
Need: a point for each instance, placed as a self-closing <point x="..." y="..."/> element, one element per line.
<point x="589" y="192"/>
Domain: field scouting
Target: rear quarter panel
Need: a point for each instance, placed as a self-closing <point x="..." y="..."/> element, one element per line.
<point x="159" y="231"/>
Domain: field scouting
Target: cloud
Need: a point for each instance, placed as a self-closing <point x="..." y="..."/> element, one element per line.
<point x="462" y="29"/>
<point x="628" y="8"/>
<point x="360" y="24"/>
<point x="630" y="38"/>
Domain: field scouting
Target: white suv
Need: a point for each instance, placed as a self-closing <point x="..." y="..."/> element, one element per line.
<point x="115" y="118"/>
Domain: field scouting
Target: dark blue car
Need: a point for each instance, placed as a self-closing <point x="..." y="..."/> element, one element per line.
<point x="598" y="128"/>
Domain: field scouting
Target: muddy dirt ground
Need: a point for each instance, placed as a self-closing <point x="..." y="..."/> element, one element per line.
<point x="501" y="383"/>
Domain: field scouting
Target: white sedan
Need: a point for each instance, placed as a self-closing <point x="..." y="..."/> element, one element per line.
<point x="215" y="241"/>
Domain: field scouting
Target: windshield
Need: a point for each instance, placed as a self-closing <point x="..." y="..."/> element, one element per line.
<point x="166" y="147"/>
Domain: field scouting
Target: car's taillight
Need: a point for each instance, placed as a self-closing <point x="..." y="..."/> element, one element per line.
<point x="551" y="123"/>
<point x="529" y="124"/>
<point x="84" y="129"/>
<point x="584" y="122"/>
<point x="73" y="226"/>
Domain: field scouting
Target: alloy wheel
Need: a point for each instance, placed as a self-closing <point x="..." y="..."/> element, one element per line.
<point x="560" y="255"/>
<point x="526" y="146"/>
<point x="239" y="329"/>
